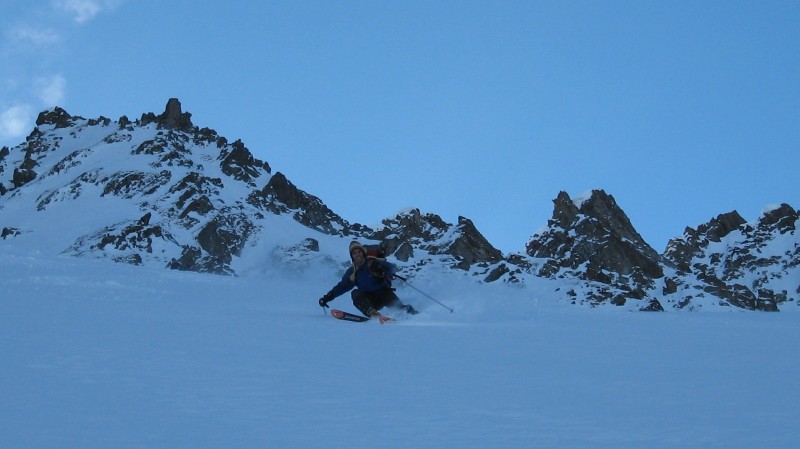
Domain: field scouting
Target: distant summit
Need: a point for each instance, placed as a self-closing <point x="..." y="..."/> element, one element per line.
<point x="161" y="191"/>
<point x="748" y="265"/>
<point x="594" y="240"/>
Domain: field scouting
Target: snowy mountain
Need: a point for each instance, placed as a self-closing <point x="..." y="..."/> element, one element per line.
<point x="161" y="192"/>
<point x="749" y="265"/>
<point x="726" y="262"/>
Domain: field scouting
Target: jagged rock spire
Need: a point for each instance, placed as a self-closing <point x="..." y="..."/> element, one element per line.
<point x="56" y="116"/>
<point x="431" y="233"/>
<point x="680" y="251"/>
<point x="173" y="117"/>
<point x="593" y="239"/>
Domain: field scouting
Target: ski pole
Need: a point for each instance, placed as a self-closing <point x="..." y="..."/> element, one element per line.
<point x="426" y="295"/>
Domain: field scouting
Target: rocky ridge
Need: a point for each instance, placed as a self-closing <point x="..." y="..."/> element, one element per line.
<point x="186" y="198"/>
<point x="725" y="262"/>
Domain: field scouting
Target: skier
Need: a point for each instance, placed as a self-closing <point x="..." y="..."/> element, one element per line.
<point x="372" y="277"/>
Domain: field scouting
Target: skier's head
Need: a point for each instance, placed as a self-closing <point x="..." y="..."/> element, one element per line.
<point x="355" y="247"/>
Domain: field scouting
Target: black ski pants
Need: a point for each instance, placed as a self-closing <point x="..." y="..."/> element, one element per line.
<point x="367" y="302"/>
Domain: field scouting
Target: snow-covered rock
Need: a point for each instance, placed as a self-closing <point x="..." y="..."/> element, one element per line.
<point x="593" y="240"/>
<point x="748" y="265"/>
<point x="205" y="200"/>
<point x="161" y="191"/>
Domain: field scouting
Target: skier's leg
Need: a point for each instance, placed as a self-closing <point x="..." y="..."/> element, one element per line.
<point x="363" y="302"/>
<point x="387" y="297"/>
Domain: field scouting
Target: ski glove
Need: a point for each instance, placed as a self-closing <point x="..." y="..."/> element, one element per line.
<point x="323" y="302"/>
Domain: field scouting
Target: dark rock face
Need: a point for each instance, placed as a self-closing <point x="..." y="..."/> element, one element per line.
<point x="35" y="150"/>
<point x="413" y="229"/>
<point x="57" y="117"/>
<point x="225" y="235"/>
<point x="193" y="194"/>
<point x="595" y="241"/>
<point x="280" y="196"/>
<point x="738" y="262"/>
<point x="135" y="184"/>
<point x="22" y="176"/>
<point x="471" y="247"/>
<point x="240" y="164"/>
<point x="125" y="242"/>
<point x="682" y="250"/>
<point x="171" y="148"/>
<point x="193" y="259"/>
<point x="409" y="226"/>
<point x="172" y="118"/>
<point x="497" y="273"/>
<point x="782" y="219"/>
<point x="654" y="306"/>
<point x="9" y="232"/>
<point x="725" y="261"/>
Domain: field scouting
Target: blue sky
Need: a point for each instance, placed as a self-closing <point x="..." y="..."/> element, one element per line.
<point x="681" y="110"/>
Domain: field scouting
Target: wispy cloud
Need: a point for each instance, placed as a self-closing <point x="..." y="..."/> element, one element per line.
<point x="40" y="37"/>
<point x="15" y="121"/>
<point x="85" y="10"/>
<point x="32" y="47"/>
<point x="50" y="90"/>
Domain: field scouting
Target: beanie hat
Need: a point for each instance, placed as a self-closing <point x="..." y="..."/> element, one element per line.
<point x="354" y="244"/>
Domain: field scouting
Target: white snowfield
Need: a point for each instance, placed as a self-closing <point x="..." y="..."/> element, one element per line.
<point x="101" y="355"/>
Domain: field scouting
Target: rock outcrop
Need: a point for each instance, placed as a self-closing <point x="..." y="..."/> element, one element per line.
<point x="681" y="251"/>
<point x="592" y="239"/>
<point x="280" y="196"/>
<point x="412" y="230"/>
<point x="173" y="117"/>
<point x="725" y="262"/>
<point x="747" y="265"/>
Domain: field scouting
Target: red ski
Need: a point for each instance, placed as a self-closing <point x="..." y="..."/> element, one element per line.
<point x="346" y="316"/>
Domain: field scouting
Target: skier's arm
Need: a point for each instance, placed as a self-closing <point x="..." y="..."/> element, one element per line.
<point x="345" y="285"/>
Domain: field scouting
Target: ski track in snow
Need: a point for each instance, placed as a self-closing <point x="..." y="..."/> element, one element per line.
<point x="100" y="355"/>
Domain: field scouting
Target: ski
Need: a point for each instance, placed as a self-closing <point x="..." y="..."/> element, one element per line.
<point x="346" y="316"/>
<point x="342" y="315"/>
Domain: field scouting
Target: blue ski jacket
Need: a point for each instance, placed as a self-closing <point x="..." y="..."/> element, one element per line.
<point x="367" y="278"/>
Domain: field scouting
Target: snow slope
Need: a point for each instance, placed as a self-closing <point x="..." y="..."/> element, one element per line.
<point x="103" y="355"/>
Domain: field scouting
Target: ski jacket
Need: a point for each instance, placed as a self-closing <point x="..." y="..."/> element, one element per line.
<point x="373" y="275"/>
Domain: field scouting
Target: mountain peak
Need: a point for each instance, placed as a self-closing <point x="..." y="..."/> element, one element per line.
<point x="680" y="251"/>
<point x="56" y="116"/>
<point x="594" y="240"/>
<point x="782" y="218"/>
<point x="746" y="264"/>
<point x="173" y="117"/>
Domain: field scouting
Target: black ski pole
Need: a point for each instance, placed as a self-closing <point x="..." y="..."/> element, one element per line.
<point x="426" y="295"/>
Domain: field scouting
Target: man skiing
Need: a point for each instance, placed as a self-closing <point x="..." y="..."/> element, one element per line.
<point x="372" y="277"/>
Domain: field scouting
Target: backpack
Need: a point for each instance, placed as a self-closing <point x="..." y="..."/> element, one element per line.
<point x="376" y="251"/>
